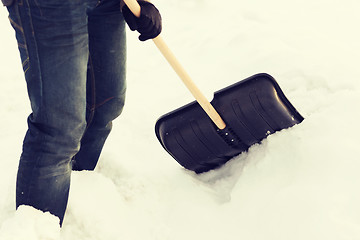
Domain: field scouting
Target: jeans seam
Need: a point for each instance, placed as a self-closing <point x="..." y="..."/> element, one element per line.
<point x="21" y="30"/>
<point x="28" y="12"/>
<point x="36" y="57"/>
<point x="93" y="93"/>
<point x="103" y="102"/>
<point x="38" y="6"/>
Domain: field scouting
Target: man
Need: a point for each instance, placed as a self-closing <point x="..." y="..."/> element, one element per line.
<point x="73" y="54"/>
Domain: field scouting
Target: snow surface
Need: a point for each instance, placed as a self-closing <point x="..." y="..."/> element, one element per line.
<point x="300" y="183"/>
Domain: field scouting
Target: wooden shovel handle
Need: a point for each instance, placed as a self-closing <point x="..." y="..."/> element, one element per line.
<point x="184" y="76"/>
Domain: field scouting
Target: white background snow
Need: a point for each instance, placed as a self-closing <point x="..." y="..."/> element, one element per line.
<point x="300" y="183"/>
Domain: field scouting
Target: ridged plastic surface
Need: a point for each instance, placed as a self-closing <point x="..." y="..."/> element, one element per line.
<point x="252" y="109"/>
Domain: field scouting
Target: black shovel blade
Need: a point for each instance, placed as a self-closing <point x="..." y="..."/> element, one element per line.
<point x="252" y="109"/>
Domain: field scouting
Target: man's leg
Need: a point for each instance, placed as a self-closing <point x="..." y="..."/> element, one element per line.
<point x="106" y="80"/>
<point x="53" y="43"/>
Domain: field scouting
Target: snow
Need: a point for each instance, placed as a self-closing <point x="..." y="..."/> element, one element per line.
<point x="300" y="183"/>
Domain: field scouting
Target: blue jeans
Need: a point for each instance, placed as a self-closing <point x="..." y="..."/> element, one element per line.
<point x="73" y="54"/>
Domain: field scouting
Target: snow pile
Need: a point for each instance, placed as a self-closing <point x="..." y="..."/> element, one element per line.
<point x="31" y="224"/>
<point x="300" y="183"/>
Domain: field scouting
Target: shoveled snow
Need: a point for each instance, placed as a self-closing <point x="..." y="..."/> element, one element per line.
<point x="300" y="183"/>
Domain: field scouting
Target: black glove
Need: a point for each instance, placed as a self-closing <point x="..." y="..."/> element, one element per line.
<point x="149" y="22"/>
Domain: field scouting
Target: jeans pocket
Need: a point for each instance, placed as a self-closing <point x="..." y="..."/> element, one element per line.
<point x="16" y="23"/>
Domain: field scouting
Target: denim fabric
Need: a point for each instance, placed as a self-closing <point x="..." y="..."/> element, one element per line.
<point x="73" y="54"/>
<point x="7" y="3"/>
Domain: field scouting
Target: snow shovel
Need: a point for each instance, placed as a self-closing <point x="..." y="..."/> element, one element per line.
<point x="201" y="138"/>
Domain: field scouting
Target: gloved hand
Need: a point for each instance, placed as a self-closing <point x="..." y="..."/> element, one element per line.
<point x="149" y="22"/>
